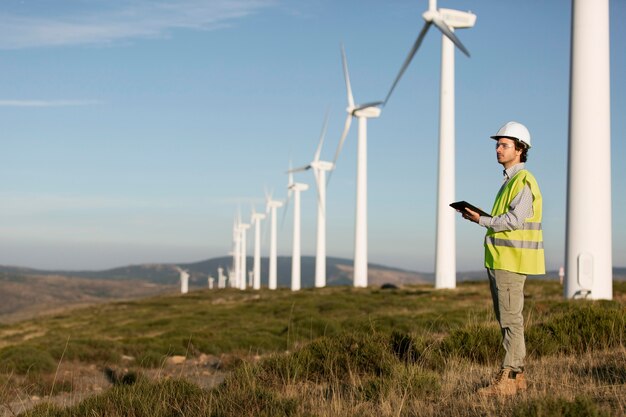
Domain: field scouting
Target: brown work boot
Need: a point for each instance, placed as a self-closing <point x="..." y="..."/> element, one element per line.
<point x="504" y="384"/>
<point x="520" y="381"/>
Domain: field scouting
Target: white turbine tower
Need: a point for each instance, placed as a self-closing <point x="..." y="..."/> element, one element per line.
<point x="243" y="228"/>
<point x="296" y="188"/>
<point x="446" y="21"/>
<point x="271" y="207"/>
<point x="319" y="171"/>
<point x="234" y="273"/>
<point x="362" y="112"/>
<point x="256" y="274"/>
<point x="221" y="281"/>
<point x="588" y="257"/>
<point x="184" y="280"/>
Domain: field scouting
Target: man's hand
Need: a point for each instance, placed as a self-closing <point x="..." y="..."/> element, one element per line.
<point x="470" y="215"/>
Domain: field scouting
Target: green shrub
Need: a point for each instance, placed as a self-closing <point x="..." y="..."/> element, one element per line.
<point x="165" y="398"/>
<point x="344" y="356"/>
<point x="404" y="346"/>
<point x="23" y="359"/>
<point x="255" y="400"/>
<point x="475" y="342"/>
<point x="559" y="407"/>
<point x="584" y="327"/>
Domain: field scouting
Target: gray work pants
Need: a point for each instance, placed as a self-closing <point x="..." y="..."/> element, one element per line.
<point x="507" y="292"/>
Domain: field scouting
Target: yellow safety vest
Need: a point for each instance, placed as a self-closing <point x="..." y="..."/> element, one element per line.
<point x="520" y="250"/>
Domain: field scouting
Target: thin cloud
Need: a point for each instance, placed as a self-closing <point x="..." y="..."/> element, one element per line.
<point x="47" y="103"/>
<point x="105" y="22"/>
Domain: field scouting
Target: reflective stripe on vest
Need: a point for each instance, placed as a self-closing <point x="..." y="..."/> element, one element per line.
<point x="520" y="250"/>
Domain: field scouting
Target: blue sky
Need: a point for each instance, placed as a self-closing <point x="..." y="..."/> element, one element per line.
<point x="133" y="130"/>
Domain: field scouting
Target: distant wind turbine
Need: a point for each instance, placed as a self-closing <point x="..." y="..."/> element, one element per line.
<point x="271" y="207"/>
<point x="184" y="280"/>
<point x="446" y="20"/>
<point x="319" y="171"/>
<point x="296" y="189"/>
<point x="243" y="228"/>
<point x="362" y="112"/>
<point x="221" y="282"/>
<point x="233" y="275"/>
<point x="256" y="274"/>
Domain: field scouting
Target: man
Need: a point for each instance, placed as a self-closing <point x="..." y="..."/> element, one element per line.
<point x="513" y="250"/>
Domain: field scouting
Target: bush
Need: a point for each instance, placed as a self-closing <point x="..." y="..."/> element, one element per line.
<point x="584" y="327"/>
<point x="559" y="407"/>
<point x="341" y="357"/>
<point x="252" y="400"/>
<point x="476" y="342"/>
<point x="143" y="399"/>
<point x="404" y="347"/>
<point x="23" y="359"/>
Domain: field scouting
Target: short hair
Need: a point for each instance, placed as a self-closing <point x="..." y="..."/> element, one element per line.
<point x="520" y="146"/>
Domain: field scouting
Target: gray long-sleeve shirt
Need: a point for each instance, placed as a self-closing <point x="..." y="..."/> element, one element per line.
<point x="520" y="209"/>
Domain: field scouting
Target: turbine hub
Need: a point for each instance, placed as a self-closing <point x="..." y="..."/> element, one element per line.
<point x="429" y="15"/>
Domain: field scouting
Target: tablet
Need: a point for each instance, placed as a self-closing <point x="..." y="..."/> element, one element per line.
<point x="462" y="205"/>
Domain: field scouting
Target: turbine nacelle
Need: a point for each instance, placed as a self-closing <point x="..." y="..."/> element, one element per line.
<point x="298" y="186"/>
<point x="457" y="18"/>
<point x="274" y="204"/>
<point x="322" y="165"/>
<point x="370" y="112"/>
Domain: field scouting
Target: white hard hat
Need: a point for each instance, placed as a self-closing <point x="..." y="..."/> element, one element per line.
<point x="514" y="130"/>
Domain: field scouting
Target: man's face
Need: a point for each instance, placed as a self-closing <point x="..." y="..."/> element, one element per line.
<point x="506" y="152"/>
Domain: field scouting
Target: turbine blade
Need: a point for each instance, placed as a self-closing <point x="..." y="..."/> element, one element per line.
<point x="317" y="187"/>
<point x="346" y="76"/>
<point x="371" y="104"/>
<point x="322" y="136"/>
<point x="408" y="59"/>
<point x="300" y="169"/>
<point x="286" y="209"/>
<point x="343" y="137"/>
<point x="443" y="27"/>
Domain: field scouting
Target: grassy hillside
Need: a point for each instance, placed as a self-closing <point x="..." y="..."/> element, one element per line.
<point x="24" y="296"/>
<point x="334" y="351"/>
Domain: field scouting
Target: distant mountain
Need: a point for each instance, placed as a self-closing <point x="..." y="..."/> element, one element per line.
<point x="338" y="272"/>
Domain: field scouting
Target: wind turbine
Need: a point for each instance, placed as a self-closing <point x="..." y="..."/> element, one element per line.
<point x="234" y="274"/>
<point x="256" y="274"/>
<point x="271" y="207"/>
<point x="362" y="112"/>
<point x="296" y="188"/>
<point x="319" y="171"/>
<point x="184" y="280"/>
<point x="589" y="263"/>
<point x="220" y="278"/>
<point x="446" y="20"/>
<point x="243" y="228"/>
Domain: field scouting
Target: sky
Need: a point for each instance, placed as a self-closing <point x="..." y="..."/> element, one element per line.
<point x="133" y="131"/>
